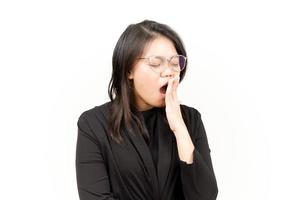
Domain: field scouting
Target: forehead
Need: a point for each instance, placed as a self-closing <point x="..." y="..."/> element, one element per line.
<point x="160" y="46"/>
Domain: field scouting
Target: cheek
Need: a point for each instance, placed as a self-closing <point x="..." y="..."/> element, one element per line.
<point x="145" y="84"/>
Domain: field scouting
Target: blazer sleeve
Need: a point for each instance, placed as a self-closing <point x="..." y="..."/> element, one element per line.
<point x="92" y="178"/>
<point x="198" y="178"/>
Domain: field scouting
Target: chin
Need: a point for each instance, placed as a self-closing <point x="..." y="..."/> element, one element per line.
<point x="163" y="104"/>
<point x="156" y="103"/>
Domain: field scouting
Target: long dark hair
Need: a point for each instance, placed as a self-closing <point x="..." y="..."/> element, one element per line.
<point x="129" y="47"/>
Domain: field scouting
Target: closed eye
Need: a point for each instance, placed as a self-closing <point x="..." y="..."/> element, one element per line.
<point x="154" y="65"/>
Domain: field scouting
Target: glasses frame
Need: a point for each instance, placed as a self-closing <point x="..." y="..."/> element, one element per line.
<point x="164" y="60"/>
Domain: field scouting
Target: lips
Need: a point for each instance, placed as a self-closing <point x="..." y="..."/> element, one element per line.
<point x="163" y="89"/>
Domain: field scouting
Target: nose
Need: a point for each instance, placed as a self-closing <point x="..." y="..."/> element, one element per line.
<point x="168" y="72"/>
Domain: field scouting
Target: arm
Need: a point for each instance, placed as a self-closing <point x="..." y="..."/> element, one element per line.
<point x="92" y="178"/>
<point x="197" y="175"/>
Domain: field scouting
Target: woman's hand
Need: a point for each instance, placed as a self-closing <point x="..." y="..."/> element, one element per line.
<point x="173" y="111"/>
<point x="185" y="145"/>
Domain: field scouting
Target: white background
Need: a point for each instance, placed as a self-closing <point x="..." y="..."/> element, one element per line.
<point x="55" y="59"/>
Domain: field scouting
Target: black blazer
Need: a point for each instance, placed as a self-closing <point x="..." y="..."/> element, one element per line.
<point x="107" y="170"/>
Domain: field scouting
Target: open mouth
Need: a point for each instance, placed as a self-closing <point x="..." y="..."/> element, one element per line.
<point x="163" y="89"/>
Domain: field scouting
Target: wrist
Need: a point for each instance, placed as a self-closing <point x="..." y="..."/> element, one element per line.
<point x="180" y="130"/>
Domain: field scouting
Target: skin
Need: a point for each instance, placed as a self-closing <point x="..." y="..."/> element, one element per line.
<point x="147" y="95"/>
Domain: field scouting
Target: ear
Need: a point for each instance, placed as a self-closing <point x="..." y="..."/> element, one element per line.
<point x="130" y="75"/>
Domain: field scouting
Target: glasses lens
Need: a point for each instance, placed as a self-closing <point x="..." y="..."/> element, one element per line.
<point x="155" y="61"/>
<point x="178" y="61"/>
<point x="182" y="62"/>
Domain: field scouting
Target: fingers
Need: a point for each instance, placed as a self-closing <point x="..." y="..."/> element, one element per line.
<point x="171" y="93"/>
<point x="175" y="87"/>
<point x="168" y="92"/>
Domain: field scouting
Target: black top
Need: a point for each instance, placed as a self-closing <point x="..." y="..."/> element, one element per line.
<point x="139" y="169"/>
<point x="150" y="119"/>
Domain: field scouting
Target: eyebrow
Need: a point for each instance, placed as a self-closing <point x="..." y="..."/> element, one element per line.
<point x="163" y="56"/>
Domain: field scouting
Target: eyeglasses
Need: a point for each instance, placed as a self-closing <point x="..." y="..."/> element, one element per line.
<point x="157" y="63"/>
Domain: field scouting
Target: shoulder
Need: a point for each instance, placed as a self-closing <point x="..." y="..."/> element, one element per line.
<point x="192" y="118"/>
<point x="189" y="112"/>
<point x="96" y="111"/>
<point x="94" y="119"/>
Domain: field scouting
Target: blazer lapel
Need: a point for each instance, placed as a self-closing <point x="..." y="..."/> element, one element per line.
<point x="145" y="155"/>
<point x="165" y="154"/>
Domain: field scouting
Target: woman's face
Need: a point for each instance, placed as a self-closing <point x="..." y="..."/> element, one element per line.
<point x="147" y="83"/>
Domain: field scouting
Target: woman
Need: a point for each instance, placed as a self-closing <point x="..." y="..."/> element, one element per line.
<point x="143" y="144"/>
